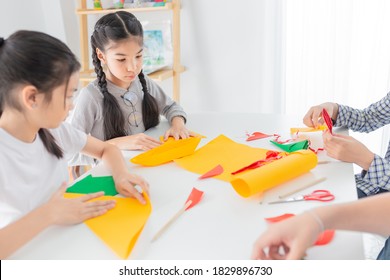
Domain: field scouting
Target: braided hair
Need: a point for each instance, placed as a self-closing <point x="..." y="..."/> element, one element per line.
<point x="115" y="27"/>
<point x="34" y="58"/>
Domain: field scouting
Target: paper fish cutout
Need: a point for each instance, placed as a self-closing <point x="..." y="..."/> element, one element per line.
<point x="195" y="196"/>
<point x="168" y="151"/>
<point x="120" y="227"/>
<point x="257" y="135"/>
<point x="327" y="120"/>
<point x="92" y="184"/>
<point x="213" y="172"/>
<point x="295" y="130"/>
<point x="234" y="156"/>
<point x="323" y="238"/>
<point x="292" y="146"/>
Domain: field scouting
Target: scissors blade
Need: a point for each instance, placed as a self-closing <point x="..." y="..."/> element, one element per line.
<point x="292" y="199"/>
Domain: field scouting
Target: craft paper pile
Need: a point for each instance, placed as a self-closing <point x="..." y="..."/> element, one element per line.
<point x="120" y="227"/>
<point x="233" y="156"/>
<point x="168" y="151"/>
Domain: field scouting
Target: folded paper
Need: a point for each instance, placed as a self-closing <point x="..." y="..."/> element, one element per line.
<point x="168" y="151"/>
<point x="292" y="146"/>
<point x="120" y="227"/>
<point x="295" y="130"/>
<point x="233" y="156"/>
<point x="91" y="184"/>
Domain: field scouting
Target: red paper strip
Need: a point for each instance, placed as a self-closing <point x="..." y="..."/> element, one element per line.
<point x="279" y="218"/>
<point x="327" y="120"/>
<point x="195" y="196"/>
<point x="213" y="172"/>
<point x="270" y="156"/>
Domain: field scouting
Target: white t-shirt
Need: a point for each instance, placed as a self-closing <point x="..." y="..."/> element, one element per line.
<point x="29" y="174"/>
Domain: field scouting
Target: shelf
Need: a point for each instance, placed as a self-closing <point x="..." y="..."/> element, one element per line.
<point x="160" y="75"/>
<point x="166" y="7"/>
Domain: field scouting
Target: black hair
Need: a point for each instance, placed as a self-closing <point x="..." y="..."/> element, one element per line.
<point x="115" y="27"/>
<point x="38" y="59"/>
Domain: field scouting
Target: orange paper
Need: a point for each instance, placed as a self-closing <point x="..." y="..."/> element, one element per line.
<point x="168" y="151"/>
<point x="213" y="172"/>
<point x="120" y="227"/>
<point x="295" y="130"/>
<point x="233" y="156"/>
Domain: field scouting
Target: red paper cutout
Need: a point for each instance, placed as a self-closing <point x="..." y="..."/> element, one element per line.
<point x="256" y="135"/>
<point x="213" y="172"/>
<point x="322" y="239"/>
<point x="325" y="237"/>
<point x="195" y="196"/>
<point x="327" y="120"/>
<point x="270" y="156"/>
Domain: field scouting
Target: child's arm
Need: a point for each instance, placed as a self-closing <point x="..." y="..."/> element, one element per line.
<point x="57" y="211"/>
<point x="112" y="157"/>
<point x="138" y="141"/>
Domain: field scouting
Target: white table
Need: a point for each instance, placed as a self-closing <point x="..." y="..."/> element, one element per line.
<point x="223" y="225"/>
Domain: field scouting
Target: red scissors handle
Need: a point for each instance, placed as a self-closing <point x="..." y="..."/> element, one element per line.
<point x="320" y="195"/>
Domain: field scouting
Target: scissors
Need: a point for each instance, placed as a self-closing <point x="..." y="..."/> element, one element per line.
<point x="319" y="195"/>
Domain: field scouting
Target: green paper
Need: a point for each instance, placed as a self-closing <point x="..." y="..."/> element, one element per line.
<point x="94" y="184"/>
<point x="292" y="147"/>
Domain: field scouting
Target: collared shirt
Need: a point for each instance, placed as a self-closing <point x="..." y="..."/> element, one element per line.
<point x="375" y="116"/>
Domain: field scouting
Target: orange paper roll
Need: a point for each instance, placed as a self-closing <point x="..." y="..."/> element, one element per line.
<point x="170" y="150"/>
<point x="270" y="175"/>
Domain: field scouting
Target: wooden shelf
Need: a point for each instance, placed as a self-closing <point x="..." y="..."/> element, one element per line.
<point x="166" y="7"/>
<point x="159" y="76"/>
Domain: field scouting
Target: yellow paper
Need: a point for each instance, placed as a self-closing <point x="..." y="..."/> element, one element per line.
<point x="233" y="156"/>
<point x="168" y="151"/>
<point x="120" y="227"/>
<point x="295" y="130"/>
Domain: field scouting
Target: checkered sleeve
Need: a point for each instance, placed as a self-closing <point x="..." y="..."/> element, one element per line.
<point x="376" y="177"/>
<point x="369" y="119"/>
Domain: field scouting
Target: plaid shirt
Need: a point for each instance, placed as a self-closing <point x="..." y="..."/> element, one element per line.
<point x="375" y="116"/>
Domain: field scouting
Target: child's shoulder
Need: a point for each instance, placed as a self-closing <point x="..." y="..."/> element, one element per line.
<point x="91" y="91"/>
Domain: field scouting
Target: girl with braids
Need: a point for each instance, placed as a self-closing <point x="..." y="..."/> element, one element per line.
<point x="123" y="102"/>
<point x="38" y="77"/>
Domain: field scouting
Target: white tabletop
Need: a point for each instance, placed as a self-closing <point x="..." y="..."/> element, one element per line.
<point x="223" y="225"/>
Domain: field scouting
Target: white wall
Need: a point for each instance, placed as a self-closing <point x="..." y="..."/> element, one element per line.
<point x="230" y="51"/>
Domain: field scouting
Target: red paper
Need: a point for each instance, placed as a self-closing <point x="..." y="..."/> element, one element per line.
<point x="322" y="239"/>
<point x="327" y="120"/>
<point x="195" y="196"/>
<point x="257" y="135"/>
<point x="213" y="172"/>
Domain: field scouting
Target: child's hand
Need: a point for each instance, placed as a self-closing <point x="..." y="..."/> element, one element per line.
<point x="178" y="130"/>
<point x="139" y="141"/>
<point x="67" y="211"/>
<point x="313" y="117"/>
<point x="125" y="185"/>
<point x="348" y="149"/>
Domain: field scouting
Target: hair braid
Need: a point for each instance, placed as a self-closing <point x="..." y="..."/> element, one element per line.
<point x="114" y="122"/>
<point x="150" y="114"/>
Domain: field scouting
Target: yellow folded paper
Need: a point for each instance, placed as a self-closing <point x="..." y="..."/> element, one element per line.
<point x="120" y="227"/>
<point x="295" y="130"/>
<point x="168" y="151"/>
<point x="272" y="174"/>
<point x="233" y="156"/>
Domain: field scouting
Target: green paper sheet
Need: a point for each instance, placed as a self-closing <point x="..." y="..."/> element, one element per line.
<point x="292" y="147"/>
<point x="94" y="184"/>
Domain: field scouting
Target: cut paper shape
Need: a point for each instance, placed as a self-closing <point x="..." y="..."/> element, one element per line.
<point x="195" y="196"/>
<point x="91" y="184"/>
<point x="270" y="156"/>
<point x="168" y="151"/>
<point x="213" y="172"/>
<point x="233" y="156"/>
<point x="295" y="130"/>
<point x="293" y="146"/>
<point x="323" y="238"/>
<point x="193" y="199"/>
<point x="120" y="227"/>
<point x="257" y="135"/>
<point x="327" y="119"/>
